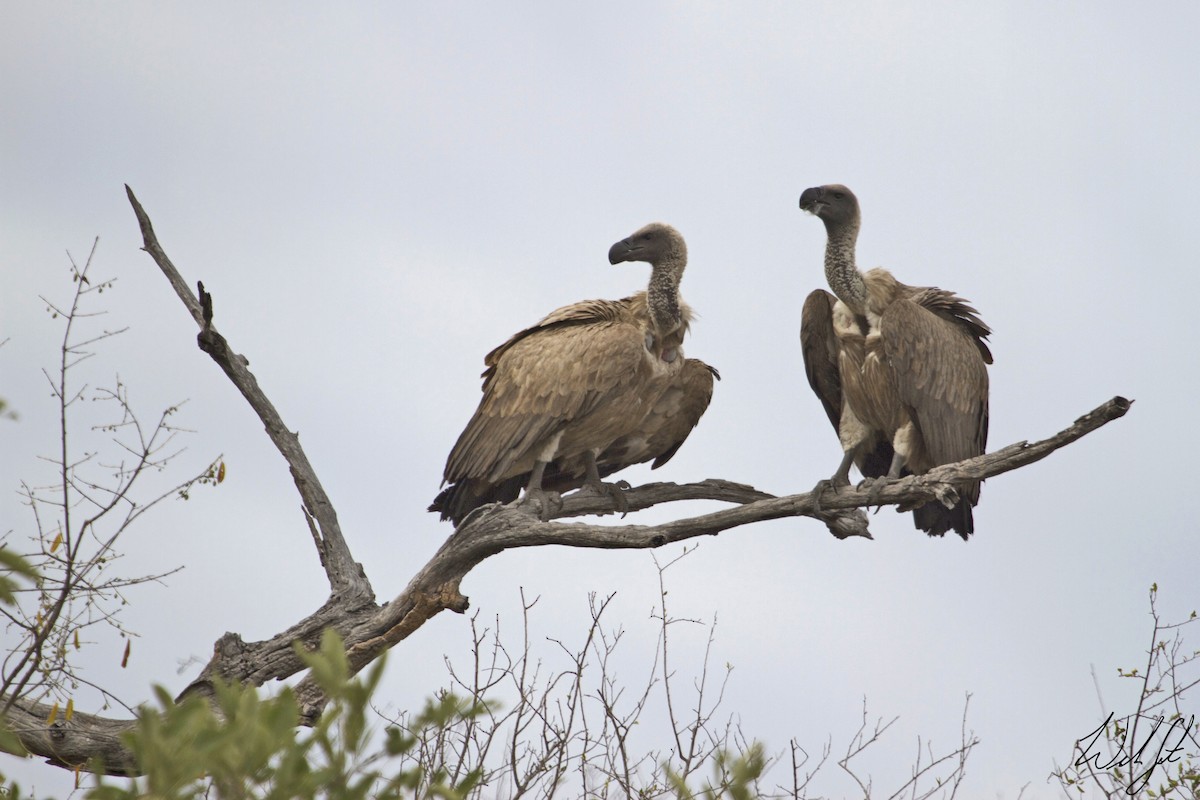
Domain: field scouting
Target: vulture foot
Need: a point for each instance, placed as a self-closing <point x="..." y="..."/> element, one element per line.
<point x="542" y="501"/>
<point x="615" y="490"/>
<point x="874" y="488"/>
<point x="824" y="485"/>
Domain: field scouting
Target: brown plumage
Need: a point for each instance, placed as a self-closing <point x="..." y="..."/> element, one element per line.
<point x="656" y="438"/>
<point x="594" y="387"/>
<point x="901" y="370"/>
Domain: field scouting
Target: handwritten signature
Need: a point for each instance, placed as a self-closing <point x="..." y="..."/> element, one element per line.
<point x="1170" y="743"/>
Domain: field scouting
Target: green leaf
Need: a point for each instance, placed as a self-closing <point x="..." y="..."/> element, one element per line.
<point x="12" y="568"/>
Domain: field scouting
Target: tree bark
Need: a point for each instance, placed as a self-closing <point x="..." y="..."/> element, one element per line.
<point x="369" y="629"/>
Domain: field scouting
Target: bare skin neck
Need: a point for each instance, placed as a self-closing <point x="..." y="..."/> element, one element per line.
<point x="840" y="269"/>
<point x="662" y="295"/>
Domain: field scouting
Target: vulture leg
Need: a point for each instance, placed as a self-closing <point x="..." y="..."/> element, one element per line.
<point x="534" y="491"/>
<point x="875" y="485"/>
<point x="593" y="484"/>
<point x="840" y="478"/>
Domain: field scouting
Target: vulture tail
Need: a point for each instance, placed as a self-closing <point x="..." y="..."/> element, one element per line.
<point x="935" y="519"/>
<point x="459" y="499"/>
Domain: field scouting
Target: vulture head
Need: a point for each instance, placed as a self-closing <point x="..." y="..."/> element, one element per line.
<point x="655" y="243"/>
<point x="834" y="204"/>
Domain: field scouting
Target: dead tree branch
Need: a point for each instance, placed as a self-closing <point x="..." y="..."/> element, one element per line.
<point x="346" y="579"/>
<point x="369" y="629"/>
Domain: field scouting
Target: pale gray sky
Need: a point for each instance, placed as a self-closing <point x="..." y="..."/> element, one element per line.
<point x="378" y="194"/>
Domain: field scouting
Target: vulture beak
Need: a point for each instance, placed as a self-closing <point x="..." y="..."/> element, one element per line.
<point x="624" y="250"/>
<point x="811" y="200"/>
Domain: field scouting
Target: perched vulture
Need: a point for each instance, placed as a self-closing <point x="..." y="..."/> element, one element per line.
<point x="591" y="389"/>
<point x="657" y="437"/>
<point x="901" y="370"/>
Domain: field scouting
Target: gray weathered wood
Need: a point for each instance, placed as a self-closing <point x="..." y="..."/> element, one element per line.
<point x="369" y="629"/>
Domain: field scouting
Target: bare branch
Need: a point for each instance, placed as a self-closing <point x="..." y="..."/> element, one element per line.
<point x="348" y="583"/>
<point x="368" y="630"/>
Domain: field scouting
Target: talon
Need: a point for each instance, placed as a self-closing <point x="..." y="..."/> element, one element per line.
<point x="611" y="490"/>
<point x="826" y="485"/>
<point x="874" y="488"/>
<point x="543" y="500"/>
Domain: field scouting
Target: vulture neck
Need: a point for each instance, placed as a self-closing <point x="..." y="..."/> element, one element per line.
<point x="840" y="270"/>
<point x="662" y="295"/>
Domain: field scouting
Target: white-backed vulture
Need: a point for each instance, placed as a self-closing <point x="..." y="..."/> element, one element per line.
<point x="901" y="370"/>
<point x="594" y="387"/>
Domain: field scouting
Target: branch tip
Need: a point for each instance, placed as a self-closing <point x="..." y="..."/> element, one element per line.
<point x="206" y="304"/>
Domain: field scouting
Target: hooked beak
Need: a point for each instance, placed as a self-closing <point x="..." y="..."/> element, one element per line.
<point x="624" y="250"/>
<point x="812" y="200"/>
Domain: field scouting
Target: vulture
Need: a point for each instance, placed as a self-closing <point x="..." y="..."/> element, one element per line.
<point x="592" y="388"/>
<point x="901" y="370"/>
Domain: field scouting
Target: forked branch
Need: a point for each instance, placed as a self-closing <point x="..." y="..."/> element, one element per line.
<point x="369" y="629"/>
<point x="346" y="578"/>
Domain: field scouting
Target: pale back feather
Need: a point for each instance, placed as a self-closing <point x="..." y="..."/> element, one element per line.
<point x="584" y="373"/>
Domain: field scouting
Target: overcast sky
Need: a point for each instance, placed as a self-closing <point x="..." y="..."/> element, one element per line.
<point x="378" y="194"/>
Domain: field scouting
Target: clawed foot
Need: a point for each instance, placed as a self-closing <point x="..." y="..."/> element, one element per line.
<point x="544" y="501"/>
<point x="874" y="488"/>
<point x="824" y="485"/>
<point x="615" y="490"/>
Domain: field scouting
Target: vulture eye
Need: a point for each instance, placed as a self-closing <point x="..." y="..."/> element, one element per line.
<point x="839" y="195"/>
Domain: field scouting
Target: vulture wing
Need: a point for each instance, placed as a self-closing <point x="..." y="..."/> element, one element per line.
<point x="679" y="409"/>
<point x="545" y="378"/>
<point x="543" y="381"/>
<point x="819" y="344"/>
<point x="670" y="421"/>
<point x="938" y="357"/>
<point x="659" y="435"/>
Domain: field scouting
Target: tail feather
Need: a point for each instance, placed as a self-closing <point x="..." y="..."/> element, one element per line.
<point x="935" y="519"/>
<point x="459" y="499"/>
